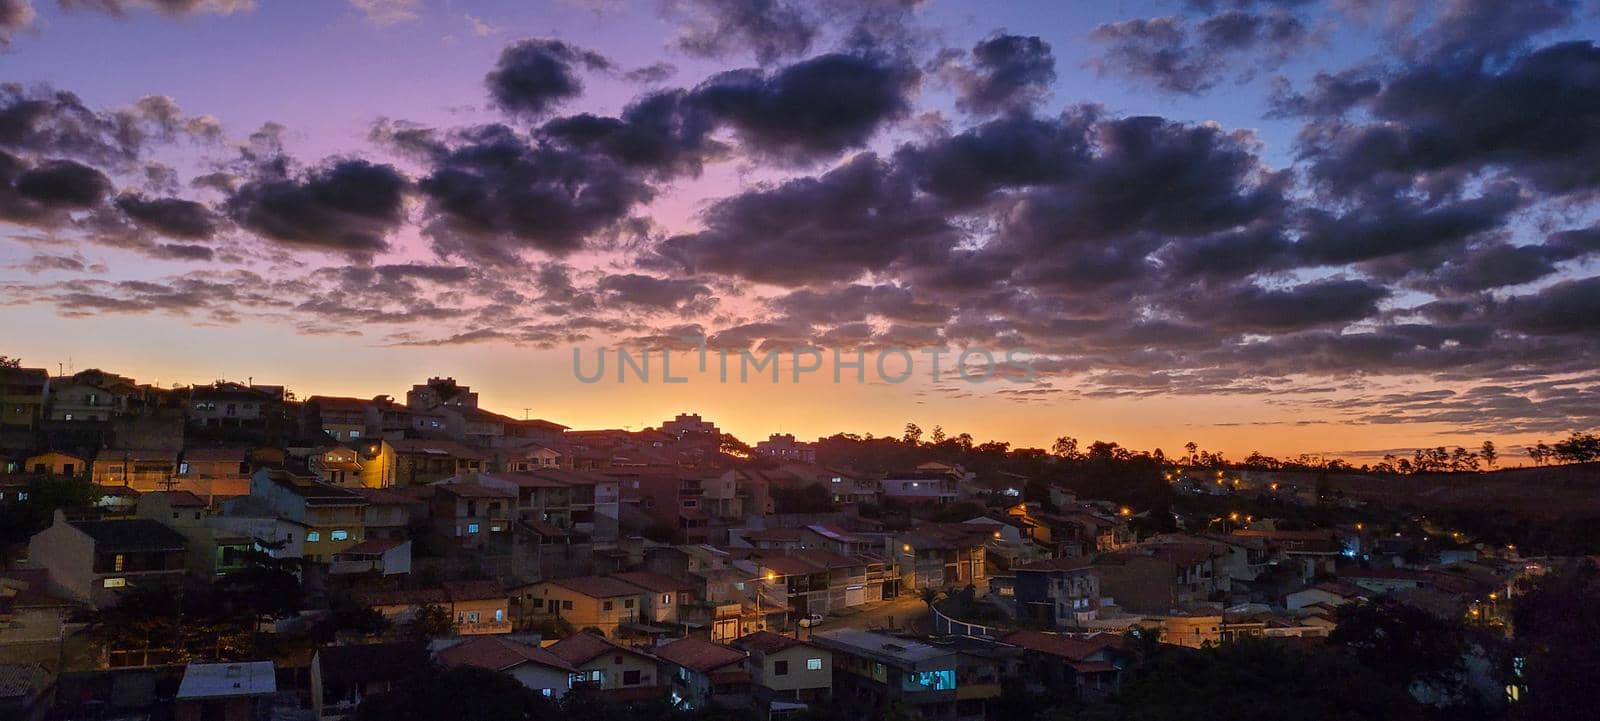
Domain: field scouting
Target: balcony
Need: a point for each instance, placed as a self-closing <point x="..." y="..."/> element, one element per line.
<point x="479" y="628"/>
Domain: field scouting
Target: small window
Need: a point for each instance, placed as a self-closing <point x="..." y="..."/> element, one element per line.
<point x="630" y="678"/>
<point x="666" y="599"/>
<point x="116" y="582"/>
<point x="627" y="603"/>
<point x="116" y="562"/>
<point x="313" y="536"/>
<point x="472" y="528"/>
<point x="607" y="606"/>
<point x="340" y="535"/>
<point x="357" y="434"/>
<point x="566" y="605"/>
<point x="472" y="617"/>
<point x="780" y="668"/>
<point x="538" y="603"/>
<point x="813" y="664"/>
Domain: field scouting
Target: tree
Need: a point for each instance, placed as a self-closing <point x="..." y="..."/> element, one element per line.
<point x="464" y="693"/>
<point x="1066" y="447"/>
<point x="1490" y="455"/>
<point x="913" y="434"/>
<point x="938" y="436"/>
<point x="1192" y="448"/>
<point x="1402" y="643"/>
<point x="1557" y="622"/>
<point x="9" y="362"/>
<point x="1577" y="448"/>
<point x="431" y="621"/>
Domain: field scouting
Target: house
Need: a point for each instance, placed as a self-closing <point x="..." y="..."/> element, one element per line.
<point x="477" y="607"/>
<point x="786" y="673"/>
<point x="875" y="671"/>
<point x="213" y="549"/>
<point x="142" y="470"/>
<point x="420" y="461"/>
<point x="601" y="603"/>
<point x="380" y="556"/>
<point x="94" y="561"/>
<point x="89" y="396"/>
<point x="235" y="405"/>
<point x="942" y="555"/>
<point x="330" y="518"/>
<point x="783" y="446"/>
<point x="611" y="669"/>
<point x="921" y="486"/>
<point x="390" y="514"/>
<point x="1060" y="592"/>
<point x="1332" y="593"/>
<point x="472" y="513"/>
<point x="22" y="397"/>
<point x="1079" y="667"/>
<point x="689" y="426"/>
<point x="340" y="419"/>
<point x="58" y="464"/>
<point x="662" y="595"/>
<point x="671" y="499"/>
<point x="214" y="473"/>
<point x="1382" y="580"/>
<point x="533" y="667"/>
<point x="341" y="676"/>
<point x="336" y="466"/>
<point x="239" y="691"/>
<point x="705" y="674"/>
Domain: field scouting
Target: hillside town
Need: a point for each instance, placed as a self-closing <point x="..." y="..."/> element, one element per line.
<point x="230" y="551"/>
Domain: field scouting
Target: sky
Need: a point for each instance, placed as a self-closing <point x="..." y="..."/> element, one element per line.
<point x="1285" y="226"/>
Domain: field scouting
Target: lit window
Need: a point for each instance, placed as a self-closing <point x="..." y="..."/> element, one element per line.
<point x="472" y="528"/>
<point x="313" y="536"/>
<point x="116" y="582"/>
<point x="813" y="664"/>
<point x="357" y="434"/>
<point x="666" y="599"/>
<point x="340" y="535"/>
<point x="116" y="562"/>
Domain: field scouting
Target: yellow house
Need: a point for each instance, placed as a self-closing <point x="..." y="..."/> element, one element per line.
<point x="476" y="607"/>
<point x="331" y="518"/>
<point x="588" y="602"/>
<point x="616" y="671"/>
<point x="57" y="464"/>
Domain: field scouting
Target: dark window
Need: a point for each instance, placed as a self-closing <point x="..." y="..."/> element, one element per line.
<point x="566" y="605"/>
<point x="780" y="668"/>
<point x="607" y="606"/>
<point x="630" y="678"/>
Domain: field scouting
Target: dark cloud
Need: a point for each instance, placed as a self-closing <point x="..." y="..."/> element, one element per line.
<point x="493" y="193"/>
<point x="1164" y="51"/>
<point x="120" y="8"/>
<point x="172" y="217"/>
<point x="1530" y="120"/>
<point x="63" y="184"/>
<point x="854" y="219"/>
<point x="57" y="123"/>
<point x="769" y="29"/>
<point x="1383" y="228"/>
<point x="662" y="132"/>
<point x="1008" y="73"/>
<point x="346" y="206"/>
<point x="1016" y="151"/>
<point x="1331" y="94"/>
<point x="1476" y="29"/>
<point x="1250" y="307"/>
<point x="15" y="16"/>
<point x="812" y="109"/>
<point x="1567" y="307"/>
<point x="652" y="73"/>
<point x="533" y="76"/>
<point x="645" y="290"/>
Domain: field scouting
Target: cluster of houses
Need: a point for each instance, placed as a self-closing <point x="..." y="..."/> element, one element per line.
<point x="630" y="563"/>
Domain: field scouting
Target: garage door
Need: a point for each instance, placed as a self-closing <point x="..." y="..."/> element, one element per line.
<point x="855" y="595"/>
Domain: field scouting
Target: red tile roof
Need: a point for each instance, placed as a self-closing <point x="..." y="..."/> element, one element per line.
<point x="655" y="582"/>
<point x="767" y="642"/>
<point x="498" y="654"/>
<point x="697" y="655"/>
<point x="597" y="586"/>
<point x="411" y="597"/>
<point x="374" y="545"/>
<point x="581" y="648"/>
<point x="475" y="590"/>
<point x="1072" y="649"/>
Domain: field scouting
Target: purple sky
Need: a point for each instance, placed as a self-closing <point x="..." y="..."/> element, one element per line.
<point x="1285" y="226"/>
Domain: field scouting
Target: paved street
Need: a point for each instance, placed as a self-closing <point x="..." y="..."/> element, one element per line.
<point x="898" y="612"/>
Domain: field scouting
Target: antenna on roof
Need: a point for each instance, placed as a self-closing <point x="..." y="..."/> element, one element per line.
<point x="525" y="412"/>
